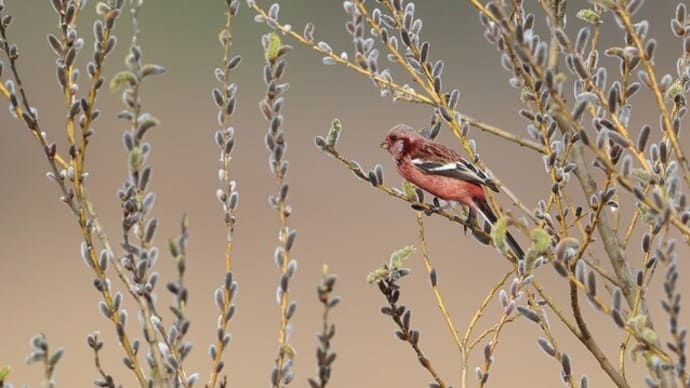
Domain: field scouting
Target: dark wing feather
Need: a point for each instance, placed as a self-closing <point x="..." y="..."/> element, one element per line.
<point x="460" y="169"/>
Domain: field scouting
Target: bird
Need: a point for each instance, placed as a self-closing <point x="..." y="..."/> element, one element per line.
<point x="442" y="172"/>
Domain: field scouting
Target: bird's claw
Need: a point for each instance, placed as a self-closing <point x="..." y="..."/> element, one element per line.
<point x="434" y="207"/>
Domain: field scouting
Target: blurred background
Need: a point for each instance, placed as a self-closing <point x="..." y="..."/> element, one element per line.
<point x="45" y="287"/>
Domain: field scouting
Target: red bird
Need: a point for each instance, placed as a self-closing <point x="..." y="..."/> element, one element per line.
<point x="442" y="172"/>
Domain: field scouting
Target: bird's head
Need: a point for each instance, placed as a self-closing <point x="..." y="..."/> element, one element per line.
<point x="399" y="139"/>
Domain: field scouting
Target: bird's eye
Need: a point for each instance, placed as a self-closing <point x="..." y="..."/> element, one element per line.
<point x="394" y="137"/>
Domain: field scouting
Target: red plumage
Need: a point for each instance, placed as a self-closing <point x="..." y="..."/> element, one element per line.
<point x="442" y="172"/>
<point x="437" y="169"/>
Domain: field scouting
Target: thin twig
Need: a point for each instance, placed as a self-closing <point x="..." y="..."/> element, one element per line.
<point x="434" y="283"/>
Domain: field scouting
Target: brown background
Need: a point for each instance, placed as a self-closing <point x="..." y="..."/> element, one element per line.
<point x="45" y="287"/>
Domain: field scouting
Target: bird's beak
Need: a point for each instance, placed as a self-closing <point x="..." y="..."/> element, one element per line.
<point x="384" y="145"/>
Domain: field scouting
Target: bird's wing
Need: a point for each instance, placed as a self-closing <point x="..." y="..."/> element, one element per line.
<point x="460" y="169"/>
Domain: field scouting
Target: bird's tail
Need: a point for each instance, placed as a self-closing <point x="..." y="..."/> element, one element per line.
<point x="488" y="214"/>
